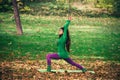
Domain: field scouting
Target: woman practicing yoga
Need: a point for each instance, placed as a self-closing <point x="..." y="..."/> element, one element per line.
<point x="63" y="48"/>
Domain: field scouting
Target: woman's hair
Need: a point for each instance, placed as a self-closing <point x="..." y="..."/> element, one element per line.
<point x="68" y="42"/>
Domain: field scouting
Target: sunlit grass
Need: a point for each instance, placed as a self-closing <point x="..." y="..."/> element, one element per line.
<point x="90" y="37"/>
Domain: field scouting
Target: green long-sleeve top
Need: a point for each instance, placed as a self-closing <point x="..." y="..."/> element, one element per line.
<point x="62" y="52"/>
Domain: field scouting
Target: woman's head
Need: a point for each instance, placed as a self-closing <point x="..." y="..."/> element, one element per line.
<point x="61" y="31"/>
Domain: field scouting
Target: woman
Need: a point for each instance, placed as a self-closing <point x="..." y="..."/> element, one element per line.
<point x="63" y="48"/>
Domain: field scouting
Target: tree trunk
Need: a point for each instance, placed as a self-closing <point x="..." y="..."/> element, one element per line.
<point x="17" y="18"/>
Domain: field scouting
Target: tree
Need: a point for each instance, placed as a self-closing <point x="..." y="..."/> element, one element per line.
<point x="17" y="18"/>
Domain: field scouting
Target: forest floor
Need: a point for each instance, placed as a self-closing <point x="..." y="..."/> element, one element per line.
<point x="27" y="70"/>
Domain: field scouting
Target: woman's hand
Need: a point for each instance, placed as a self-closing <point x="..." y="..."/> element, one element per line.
<point x="70" y="18"/>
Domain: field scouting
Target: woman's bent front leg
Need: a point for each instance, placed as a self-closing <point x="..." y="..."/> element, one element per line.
<point x="49" y="57"/>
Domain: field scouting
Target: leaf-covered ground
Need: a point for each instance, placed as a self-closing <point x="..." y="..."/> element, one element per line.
<point x="27" y="70"/>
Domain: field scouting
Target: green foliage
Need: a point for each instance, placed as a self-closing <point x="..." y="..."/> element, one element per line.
<point x="61" y="7"/>
<point x="23" y="6"/>
<point x="116" y="9"/>
<point x="5" y="5"/>
<point x="108" y="4"/>
<point x="112" y="6"/>
<point x="49" y="9"/>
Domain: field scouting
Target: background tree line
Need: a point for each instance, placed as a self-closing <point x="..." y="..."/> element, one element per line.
<point x="112" y="6"/>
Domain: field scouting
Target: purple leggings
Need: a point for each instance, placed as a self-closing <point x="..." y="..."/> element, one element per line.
<point x="56" y="56"/>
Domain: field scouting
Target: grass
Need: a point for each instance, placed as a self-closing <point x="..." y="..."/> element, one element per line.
<point x="91" y="37"/>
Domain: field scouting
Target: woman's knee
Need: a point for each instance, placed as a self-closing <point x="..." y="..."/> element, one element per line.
<point x="47" y="56"/>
